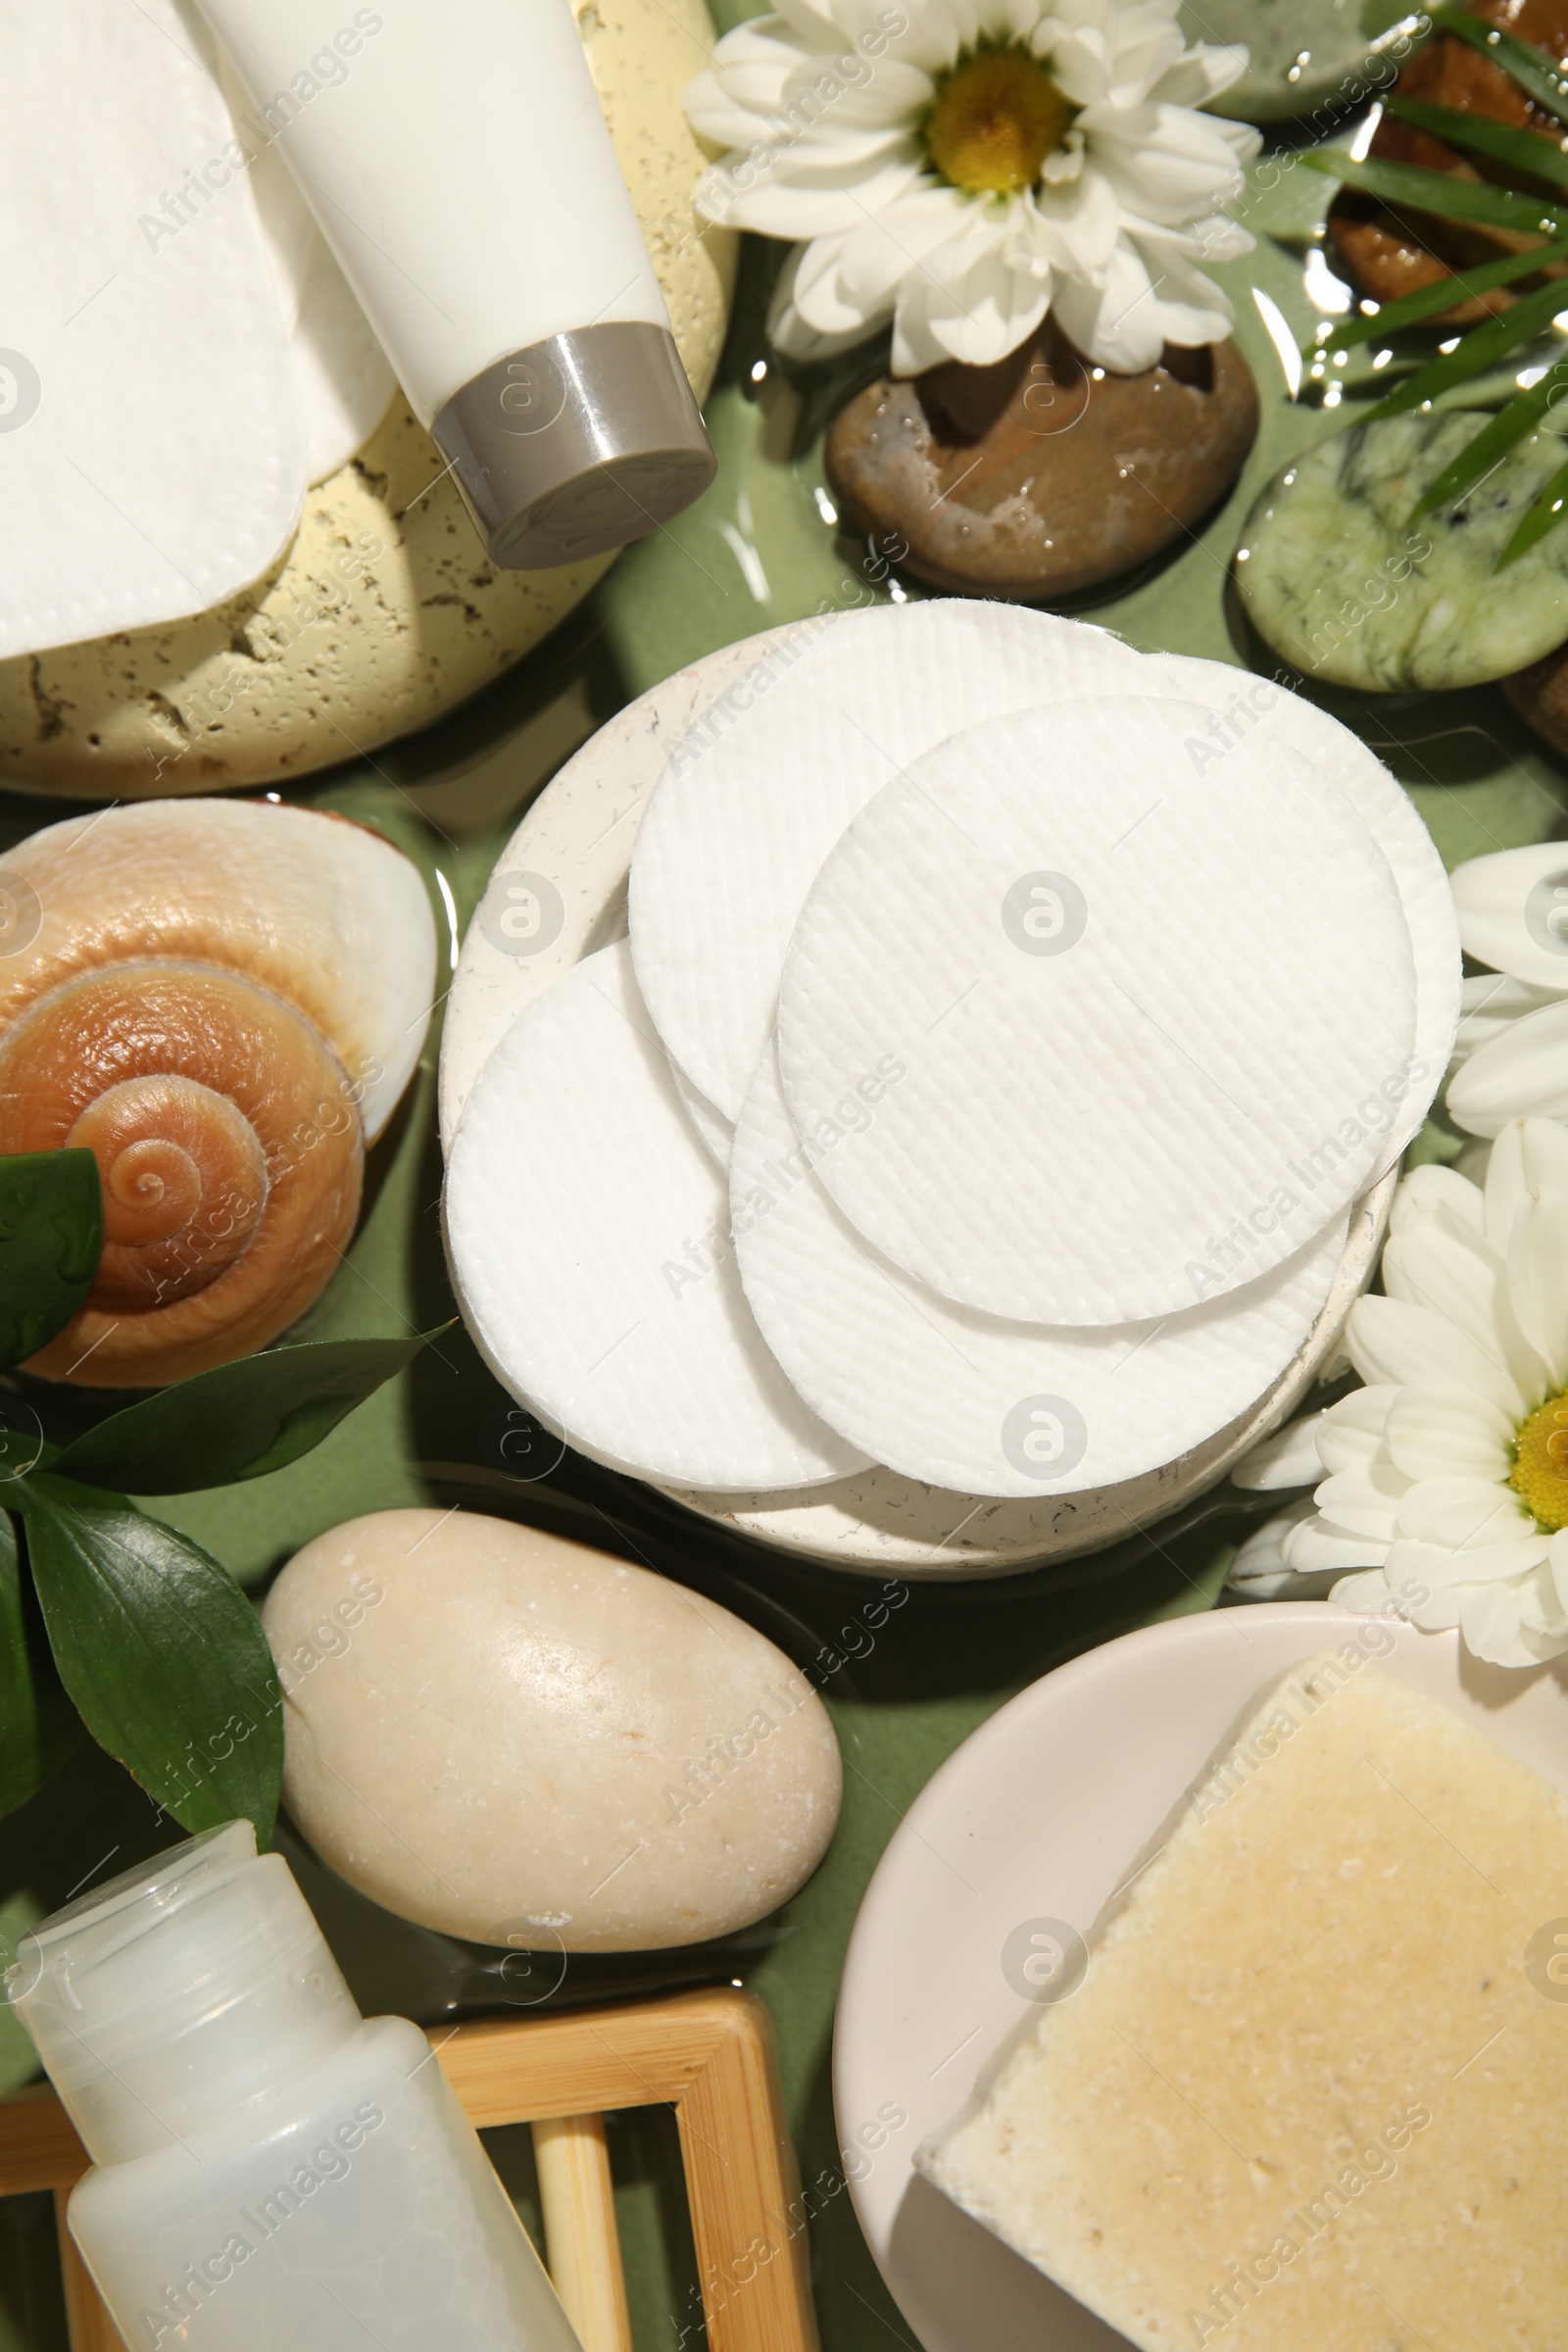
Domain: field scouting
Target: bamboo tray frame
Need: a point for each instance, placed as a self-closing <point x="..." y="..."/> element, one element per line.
<point x="709" y="2055"/>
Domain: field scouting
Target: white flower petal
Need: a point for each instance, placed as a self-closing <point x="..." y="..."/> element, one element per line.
<point x="1527" y="1161"/>
<point x="978" y="317"/>
<point x="1489" y="1003"/>
<point x="1391" y="1341"/>
<point x="1261" y="1554"/>
<point x="1365" y="1501"/>
<point x="1416" y="1565"/>
<point x="1289" y="1458"/>
<point x="1366" y="1595"/>
<point x="1540" y="1606"/>
<point x="1202" y="74"/>
<point x="1557" y="1566"/>
<point x="1350" y="1434"/>
<point x="1490" y="1621"/>
<point x="1538" y="1280"/>
<point x="1430" y="1188"/>
<point x="1316" y="1543"/>
<point x="1513" y="911"/>
<point x="1165" y="162"/>
<point x="1466" y="1515"/>
<point x="1434" y="1429"/>
<point x="1520" y="1072"/>
<point x="1440" y="1263"/>
<point x="1117" y="322"/>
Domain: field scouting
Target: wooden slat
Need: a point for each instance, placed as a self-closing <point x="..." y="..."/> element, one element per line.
<point x="87" y="2322"/>
<point x="582" y="2240"/>
<point x="38" y="2143"/>
<point x="582" y="2062"/>
<point x="747" y="2217"/>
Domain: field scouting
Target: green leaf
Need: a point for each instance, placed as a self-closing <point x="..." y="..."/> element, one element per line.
<point x="1492" y="443"/>
<point x="1418" y="191"/>
<point x="161" y="1651"/>
<point x="1544" y="516"/>
<point x="1522" y="150"/>
<point x="238" y="1421"/>
<point x="38" y="1726"/>
<point x="1411" y="309"/>
<point x="1482" y="348"/>
<point x="1539" y="76"/>
<point x="50" y="1230"/>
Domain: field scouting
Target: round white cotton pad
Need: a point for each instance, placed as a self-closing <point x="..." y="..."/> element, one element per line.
<point x="761" y="785"/>
<point x="1153" y="1026"/>
<point x="716" y="1130"/>
<point x="1240" y="705"/>
<point x="964" y="1399"/>
<point x="586" y="1229"/>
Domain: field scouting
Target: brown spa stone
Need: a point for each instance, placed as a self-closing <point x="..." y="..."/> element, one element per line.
<point x="1041" y="476"/>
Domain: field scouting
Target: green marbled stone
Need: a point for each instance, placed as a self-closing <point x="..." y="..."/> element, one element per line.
<point x="1336" y="578"/>
<point x="1336" y="71"/>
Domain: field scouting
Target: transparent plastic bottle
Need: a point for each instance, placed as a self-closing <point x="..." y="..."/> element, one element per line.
<point x="271" y="2172"/>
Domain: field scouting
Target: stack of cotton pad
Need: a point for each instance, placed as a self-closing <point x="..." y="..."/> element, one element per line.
<point x="1007" y="1025"/>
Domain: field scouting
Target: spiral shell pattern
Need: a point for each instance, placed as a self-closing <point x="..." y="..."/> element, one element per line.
<point x="230" y="1151"/>
<point x="215" y="1001"/>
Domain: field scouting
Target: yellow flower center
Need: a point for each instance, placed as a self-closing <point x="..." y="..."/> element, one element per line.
<point x="1539" y="1473"/>
<point x="993" y="120"/>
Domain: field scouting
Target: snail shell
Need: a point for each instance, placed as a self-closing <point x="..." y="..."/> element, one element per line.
<point x="223" y="1001"/>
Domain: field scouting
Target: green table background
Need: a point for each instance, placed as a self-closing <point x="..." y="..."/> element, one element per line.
<point x="756" y="550"/>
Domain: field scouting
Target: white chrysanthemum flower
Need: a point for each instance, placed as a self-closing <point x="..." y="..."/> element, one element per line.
<point x="1512" y="1047"/>
<point x="962" y="166"/>
<point x="1446" y="1494"/>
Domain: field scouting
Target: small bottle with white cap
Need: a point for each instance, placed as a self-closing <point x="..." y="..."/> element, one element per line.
<point x="268" y="2168"/>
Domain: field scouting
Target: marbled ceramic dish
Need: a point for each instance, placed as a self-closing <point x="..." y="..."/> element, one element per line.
<point x="578" y="836"/>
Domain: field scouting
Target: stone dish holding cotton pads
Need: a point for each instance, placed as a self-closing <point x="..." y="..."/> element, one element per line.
<point x="979" y="1441"/>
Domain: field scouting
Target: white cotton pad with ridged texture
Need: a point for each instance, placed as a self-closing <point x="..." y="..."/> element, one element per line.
<point x="581" y="1211"/>
<point x="1140" y="1011"/>
<point x="755" y="796"/>
<point x="716" y="1131"/>
<point x="1241" y="704"/>
<point x="965" y="1400"/>
<point x="152" y="440"/>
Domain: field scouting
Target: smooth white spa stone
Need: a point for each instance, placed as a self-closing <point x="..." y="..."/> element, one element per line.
<point x="964" y="1399"/>
<point x="761" y="787"/>
<point x="1238" y="704"/>
<point x="518" y="1740"/>
<point x="1132" y="1005"/>
<point x="587" y="1235"/>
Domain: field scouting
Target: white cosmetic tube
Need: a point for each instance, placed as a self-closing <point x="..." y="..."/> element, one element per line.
<point x="454" y="155"/>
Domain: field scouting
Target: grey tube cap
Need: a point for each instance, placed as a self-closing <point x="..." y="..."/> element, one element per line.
<point x="576" y="445"/>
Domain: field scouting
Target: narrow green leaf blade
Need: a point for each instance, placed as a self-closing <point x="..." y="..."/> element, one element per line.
<point x="1539" y="76"/>
<point x="1543" y="517"/>
<point x="1411" y="309"/>
<point x="1492" y="443"/>
<point x="1482" y="348"/>
<point x="38" y="1726"/>
<point x="1522" y="150"/>
<point x="238" y="1421"/>
<point x="50" y="1230"/>
<point x="1418" y="191"/>
<point x="161" y="1651"/>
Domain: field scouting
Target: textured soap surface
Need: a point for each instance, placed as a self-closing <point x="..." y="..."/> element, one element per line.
<point x="518" y="1740"/>
<point x="1310" y="2092"/>
<point x="1338" y="577"/>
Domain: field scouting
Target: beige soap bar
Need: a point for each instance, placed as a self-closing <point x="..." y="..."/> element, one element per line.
<point x="1313" y="2093"/>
